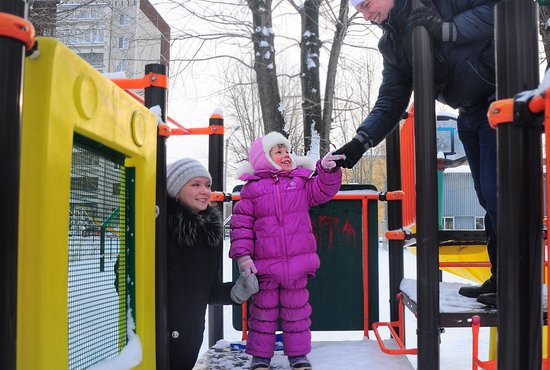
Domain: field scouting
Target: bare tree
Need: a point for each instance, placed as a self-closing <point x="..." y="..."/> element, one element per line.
<point x="264" y="65"/>
<point x="320" y="39"/>
<point x="544" y="27"/>
<point x="245" y="116"/>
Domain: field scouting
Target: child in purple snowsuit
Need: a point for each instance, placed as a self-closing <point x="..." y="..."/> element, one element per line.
<point x="271" y="236"/>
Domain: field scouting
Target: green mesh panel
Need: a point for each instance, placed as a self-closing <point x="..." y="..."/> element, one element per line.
<point x="98" y="243"/>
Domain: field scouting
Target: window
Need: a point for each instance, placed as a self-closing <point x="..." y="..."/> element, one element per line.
<point x="95" y="59"/>
<point x="448" y="223"/>
<point x="124" y="20"/>
<point x="82" y="13"/>
<point x="81" y="36"/>
<point x="480" y="223"/>
<point x="84" y="159"/>
<point x="123" y="43"/>
<point x="122" y="66"/>
<point x="116" y="188"/>
<point x="97" y="36"/>
<point x="89" y="184"/>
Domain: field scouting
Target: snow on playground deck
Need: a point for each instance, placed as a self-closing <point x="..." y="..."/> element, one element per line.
<point x="451" y="302"/>
<point x="449" y="299"/>
<point x="341" y="355"/>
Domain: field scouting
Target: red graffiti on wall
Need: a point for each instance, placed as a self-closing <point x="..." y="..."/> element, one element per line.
<point x="350" y="235"/>
<point x="328" y="223"/>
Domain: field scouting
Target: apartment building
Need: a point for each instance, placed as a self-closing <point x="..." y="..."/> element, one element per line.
<point x="114" y="35"/>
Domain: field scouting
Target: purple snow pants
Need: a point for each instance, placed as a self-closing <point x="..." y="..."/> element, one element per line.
<point x="289" y="301"/>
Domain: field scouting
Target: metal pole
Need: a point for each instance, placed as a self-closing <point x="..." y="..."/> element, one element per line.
<point x="395" y="221"/>
<point x="426" y="193"/>
<point x="226" y="159"/>
<point x="519" y="223"/>
<point x="215" y="167"/>
<point x="157" y="96"/>
<point x="11" y="92"/>
<point x="226" y="148"/>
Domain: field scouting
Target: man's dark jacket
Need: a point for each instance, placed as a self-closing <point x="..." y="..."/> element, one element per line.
<point x="194" y="255"/>
<point x="464" y="70"/>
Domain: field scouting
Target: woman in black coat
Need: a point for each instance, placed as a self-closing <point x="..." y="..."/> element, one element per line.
<point x="195" y="239"/>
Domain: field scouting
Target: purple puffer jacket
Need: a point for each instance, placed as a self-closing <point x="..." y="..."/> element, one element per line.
<point x="271" y="222"/>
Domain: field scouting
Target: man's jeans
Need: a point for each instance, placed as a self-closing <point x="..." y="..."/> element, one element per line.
<point x="479" y="141"/>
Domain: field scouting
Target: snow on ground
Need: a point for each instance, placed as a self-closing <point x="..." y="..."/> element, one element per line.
<point x="325" y="355"/>
<point x="348" y="349"/>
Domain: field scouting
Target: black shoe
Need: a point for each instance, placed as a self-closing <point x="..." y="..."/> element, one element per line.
<point x="299" y="362"/>
<point x="489" y="286"/>
<point x="488" y="299"/>
<point x="259" y="363"/>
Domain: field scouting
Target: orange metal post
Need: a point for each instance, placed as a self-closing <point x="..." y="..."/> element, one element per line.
<point x="365" y="214"/>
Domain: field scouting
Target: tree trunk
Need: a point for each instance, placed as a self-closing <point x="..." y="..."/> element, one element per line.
<point x="544" y="15"/>
<point x="311" y="92"/>
<point x="342" y="25"/>
<point x="264" y="66"/>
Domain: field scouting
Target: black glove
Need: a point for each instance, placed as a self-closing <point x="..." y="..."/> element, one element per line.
<point x="427" y="15"/>
<point x="353" y="150"/>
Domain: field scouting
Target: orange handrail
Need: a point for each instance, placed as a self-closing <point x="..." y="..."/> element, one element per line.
<point x="179" y="129"/>
<point x="150" y="79"/>
<point x="476" y="362"/>
<point x="399" y="338"/>
<point x="408" y="177"/>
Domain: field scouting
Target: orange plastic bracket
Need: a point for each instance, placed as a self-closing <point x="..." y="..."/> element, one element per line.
<point x="218" y="196"/>
<point x="17" y="28"/>
<point x="398" y="235"/>
<point x="164" y="130"/>
<point x="392" y="195"/>
<point x="536" y="105"/>
<point x="501" y="111"/>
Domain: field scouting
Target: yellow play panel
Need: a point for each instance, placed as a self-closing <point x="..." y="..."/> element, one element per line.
<point x="463" y="254"/>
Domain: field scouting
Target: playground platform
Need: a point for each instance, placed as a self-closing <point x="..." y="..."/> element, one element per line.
<point x="342" y="355"/>
<point x="455" y="310"/>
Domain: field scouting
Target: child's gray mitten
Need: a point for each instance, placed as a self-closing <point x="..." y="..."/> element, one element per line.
<point x="244" y="287"/>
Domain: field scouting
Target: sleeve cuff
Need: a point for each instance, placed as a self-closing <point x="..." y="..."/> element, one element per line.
<point x="364" y="139"/>
<point x="449" y="32"/>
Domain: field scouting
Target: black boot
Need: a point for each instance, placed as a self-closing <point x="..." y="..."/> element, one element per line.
<point x="488" y="299"/>
<point x="489" y="286"/>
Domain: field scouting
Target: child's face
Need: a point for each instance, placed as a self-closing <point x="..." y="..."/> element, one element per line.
<point x="280" y="155"/>
<point x="195" y="194"/>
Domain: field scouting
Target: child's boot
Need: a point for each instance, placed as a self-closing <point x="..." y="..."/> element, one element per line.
<point x="299" y="362"/>
<point x="259" y="363"/>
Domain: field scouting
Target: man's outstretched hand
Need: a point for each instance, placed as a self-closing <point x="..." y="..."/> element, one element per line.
<point x="353" y="151"/>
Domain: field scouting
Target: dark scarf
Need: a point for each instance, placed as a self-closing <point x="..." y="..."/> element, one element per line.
<point x="188" y="228"/>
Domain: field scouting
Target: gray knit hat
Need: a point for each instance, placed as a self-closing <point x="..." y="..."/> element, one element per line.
<point x="180" y="172"/>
